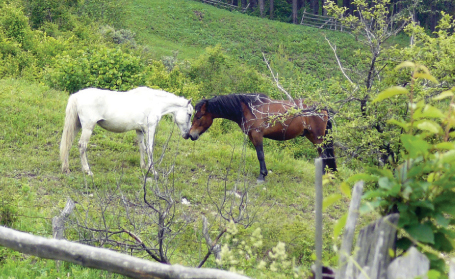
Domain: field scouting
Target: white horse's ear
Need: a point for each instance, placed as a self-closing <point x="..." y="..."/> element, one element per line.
<point x="189" y="101"/>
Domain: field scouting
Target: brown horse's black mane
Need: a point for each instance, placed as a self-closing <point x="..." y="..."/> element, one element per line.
<point x="229" y="106"/>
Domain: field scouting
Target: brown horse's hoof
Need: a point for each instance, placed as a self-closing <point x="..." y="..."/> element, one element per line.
<point x="261" y="179"/>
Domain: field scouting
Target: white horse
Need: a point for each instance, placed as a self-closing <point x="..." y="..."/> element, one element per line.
<point x="139" y="109"/>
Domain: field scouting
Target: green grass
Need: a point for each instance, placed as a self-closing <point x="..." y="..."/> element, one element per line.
<point x="190" y="27"/>
<point x="32" y="119"/>
<point x="33" y="190"/>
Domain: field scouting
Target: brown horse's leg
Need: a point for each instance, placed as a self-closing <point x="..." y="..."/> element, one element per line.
<point x="256" y="138"/>
<point x="326" y="151"/>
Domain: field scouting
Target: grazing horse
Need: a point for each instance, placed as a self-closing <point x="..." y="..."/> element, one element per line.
<point x="139" y="109"/>
<point x="259" y="116"/>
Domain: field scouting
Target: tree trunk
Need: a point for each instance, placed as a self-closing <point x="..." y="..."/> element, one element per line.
<point x="253" y="4"/>
<point x="271" y="9"/>
<point x="235" y="2"/>
<point x="244" y="4"/>
<point x="324" y="11"/>
<point x="294" y="11"/>
<point x="261" y="7"/>
<point x="315" y="6"/>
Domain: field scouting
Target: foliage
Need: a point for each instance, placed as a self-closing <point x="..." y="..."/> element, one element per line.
<point x="219" y="74"/>
<point x="421" y="187"/>
<point x="435" y="50"/>
<point x="241" y="255"/>
<point x="102" y="67"/>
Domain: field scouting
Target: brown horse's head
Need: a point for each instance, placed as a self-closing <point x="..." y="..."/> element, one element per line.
<point x="202" y="120"/>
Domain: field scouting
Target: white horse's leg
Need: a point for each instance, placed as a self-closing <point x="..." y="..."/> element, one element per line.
<point x="140" y="139"/>
<point x="150" y="133"/>
<point x="83" y="141"/>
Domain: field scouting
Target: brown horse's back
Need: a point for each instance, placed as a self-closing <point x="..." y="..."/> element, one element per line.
<point x="281" y="120"/>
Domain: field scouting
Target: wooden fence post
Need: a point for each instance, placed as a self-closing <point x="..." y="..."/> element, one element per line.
<point x="58" y="223"/>
<point x="372" y="249"/>
<point x="318" y="205"/>
<point x="409" y="266"/>
<point x="349" y="230"/>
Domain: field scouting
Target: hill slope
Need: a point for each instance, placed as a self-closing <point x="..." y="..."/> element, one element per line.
<point x="189" y="27"/>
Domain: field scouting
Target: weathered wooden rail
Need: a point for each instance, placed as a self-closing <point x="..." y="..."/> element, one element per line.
<point x="323" y="22"/>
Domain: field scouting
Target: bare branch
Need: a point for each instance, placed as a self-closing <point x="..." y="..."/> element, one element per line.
<point x="338" y="60"/>
<point x="276" y="80"/>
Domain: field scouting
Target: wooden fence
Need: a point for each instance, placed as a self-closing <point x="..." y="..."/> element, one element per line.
<point x="322" y="22"/>
<point x="225" y="5"/>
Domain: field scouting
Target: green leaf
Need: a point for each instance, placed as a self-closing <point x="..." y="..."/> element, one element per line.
<point x="345" y="189"/>
<point x="401" y="124"/>
<point x="443" y="95"/>
<point x="374" y="194"/>
<point x="448" y="157"/>
<point x="361" y="176"/>
<point x="385" y="183"/>
<point x="445" y="145"/>
<point x="441" y="220"/>
<point x="339" y="225"/>
<point x="433" y="274"/>
<point x="414" y="145"/>
<point x="442" y="243"/>
<point x="430" y="126"/>
<point x="390" y="92"/>
<point x="428" y="112"/>
<point x="405" y="64"/>
<point x="426" y="76"/>
<point x="421" y="233"/>
<point x="328" y="201"/>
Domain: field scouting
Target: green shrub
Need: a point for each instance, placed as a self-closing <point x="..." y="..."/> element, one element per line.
<point x="421" y="187"/>
<point x="100" y="67"/>
<point x="219" y="74"/>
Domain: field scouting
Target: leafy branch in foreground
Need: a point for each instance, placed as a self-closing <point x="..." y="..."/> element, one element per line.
<point x="421" y="188"/>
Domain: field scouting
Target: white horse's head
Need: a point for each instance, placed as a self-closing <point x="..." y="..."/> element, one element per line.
<point x="182" y="118"/>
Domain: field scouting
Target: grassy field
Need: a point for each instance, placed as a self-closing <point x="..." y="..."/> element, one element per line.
<point x="33" y="189"/>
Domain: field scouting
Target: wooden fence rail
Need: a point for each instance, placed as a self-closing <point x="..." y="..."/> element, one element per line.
<point x="224" y="5"/>
<point x="104" y="259"/>
<point x="323" y="22"/>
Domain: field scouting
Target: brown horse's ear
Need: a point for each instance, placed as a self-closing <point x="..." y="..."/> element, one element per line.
<point x="203" y="107"/>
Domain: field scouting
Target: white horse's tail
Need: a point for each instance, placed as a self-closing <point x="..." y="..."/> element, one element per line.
<point x="70" y="129"/>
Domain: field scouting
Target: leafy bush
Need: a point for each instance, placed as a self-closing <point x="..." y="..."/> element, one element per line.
<point x="100" y="67"/>
<point x="219" y="74"/>
<point x="421" y="187"/>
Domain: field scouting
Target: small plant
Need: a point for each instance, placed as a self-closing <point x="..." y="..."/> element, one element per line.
<point x="242" y="256"/>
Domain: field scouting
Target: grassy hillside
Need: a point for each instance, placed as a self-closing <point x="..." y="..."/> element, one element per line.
<point x="33" y="190"/>
<point x="189" y="27"/>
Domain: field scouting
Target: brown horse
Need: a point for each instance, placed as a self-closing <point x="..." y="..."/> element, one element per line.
<point x="260" y="117"/>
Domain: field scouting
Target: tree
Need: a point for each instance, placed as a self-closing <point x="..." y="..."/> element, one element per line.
<point x="372" y="24"/>
<point x="271" y="9"/>
<point x="294" y="11"/>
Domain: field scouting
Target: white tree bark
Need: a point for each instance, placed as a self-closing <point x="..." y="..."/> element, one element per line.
<point x="101" y="258"/>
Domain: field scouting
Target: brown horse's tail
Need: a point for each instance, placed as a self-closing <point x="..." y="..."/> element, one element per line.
<point x="328" y="154"/>
<point x="70" y="129"/>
